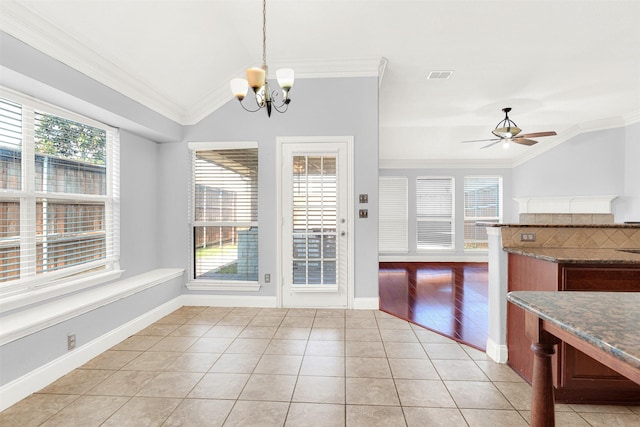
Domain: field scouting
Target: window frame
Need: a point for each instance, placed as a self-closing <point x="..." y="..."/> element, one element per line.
<point x="31" y="288"/>
<point x="216" y="284"/>
<point x="491" y="219"/>
<point x="451" y="218"/>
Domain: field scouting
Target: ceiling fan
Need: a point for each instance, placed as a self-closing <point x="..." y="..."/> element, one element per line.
<point x="507" y="131"/>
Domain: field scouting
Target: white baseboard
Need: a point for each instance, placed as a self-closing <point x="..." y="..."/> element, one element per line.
<point x="35" y="380"/>
<point x="497" y="352"/>
<point x="229" y="300"/>
<point x="366" y="303"/>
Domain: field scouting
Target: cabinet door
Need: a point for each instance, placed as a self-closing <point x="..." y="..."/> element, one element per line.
<point x="581" y="376"/>
<point x="599" y="278"/>
<point x="526" y="274"/>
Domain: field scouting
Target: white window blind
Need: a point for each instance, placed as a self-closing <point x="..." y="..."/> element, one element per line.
<point x="434" y="213"/>
<point x="393" y="214"/>
<point x="482" y="203"/>
<point x="225" y="214"/>
<point x="10" y="183"/>
<point x="59" y="176"/>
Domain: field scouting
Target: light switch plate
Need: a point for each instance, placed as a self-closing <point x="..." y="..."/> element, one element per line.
<point x="363" y="198"/>
<point x="363" y="213"/>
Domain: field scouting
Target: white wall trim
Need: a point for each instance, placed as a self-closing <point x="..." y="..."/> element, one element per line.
<point x="35" y="380"/>
<point x="366" y="303"/>
<point x="565" y="205"/>
<point x="229" y="300"/>
<point x="497" y="352"/>
<point x="498" y="276"/>
<point x="34" y="319"/>
<point x="36" y="31"/>
<point x="33" y="29"/>
<point x="196" y="285"/>
<point x="28" y="297"/>
<point x="350" y="147"/>
<point x="444" y="164"/>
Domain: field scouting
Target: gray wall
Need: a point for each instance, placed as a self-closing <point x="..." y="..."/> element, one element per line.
<point x="139" y="253"/>
<point x="590" y="164"/>
<point x="631" y="207"/>
<point x="314" y="111"/>
<point x="458" y="175"/>
<point x="139" y="214"/>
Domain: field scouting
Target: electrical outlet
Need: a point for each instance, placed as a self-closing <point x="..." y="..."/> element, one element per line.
<point x="267" y="278"/>
<point x="71" y="341"/>
<point x="527" y="237"/>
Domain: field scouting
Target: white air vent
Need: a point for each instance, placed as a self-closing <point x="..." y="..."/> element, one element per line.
<point x="439" y="75"/>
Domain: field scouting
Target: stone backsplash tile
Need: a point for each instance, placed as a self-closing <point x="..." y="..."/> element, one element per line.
<point x="573" y="237"/>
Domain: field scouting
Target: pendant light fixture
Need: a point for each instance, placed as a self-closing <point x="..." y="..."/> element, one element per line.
<point x="257" y="80"/>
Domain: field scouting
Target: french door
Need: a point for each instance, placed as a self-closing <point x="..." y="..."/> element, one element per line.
<point x="315" y="236"/>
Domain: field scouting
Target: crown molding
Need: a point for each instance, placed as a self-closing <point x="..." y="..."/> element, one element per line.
<point x="32" y="29"/>
<point x="304" y="69"/>
<point x="572" y="132"/>
<point x="29" y="27"/>
<point x="444" y="164"/>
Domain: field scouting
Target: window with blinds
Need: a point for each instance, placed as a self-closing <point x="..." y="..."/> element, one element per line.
<point x="393" y="214"/>
<point x="58" y="178"/>
<point x="224" y="214"/>
<point x="482" y="203"/>
<point x="435" y="213"/>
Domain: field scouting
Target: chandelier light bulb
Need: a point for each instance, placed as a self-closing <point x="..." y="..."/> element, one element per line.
<point x="239" y="87"/>
<point x="285" y="78"/>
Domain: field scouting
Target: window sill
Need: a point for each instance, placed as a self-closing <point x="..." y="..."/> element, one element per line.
<point x="31" y="320"/>
<point x="196" y="285"/>
<point x="29" y="297"/>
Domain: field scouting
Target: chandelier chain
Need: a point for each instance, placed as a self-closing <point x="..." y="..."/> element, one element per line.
<point x="264" y="33"/>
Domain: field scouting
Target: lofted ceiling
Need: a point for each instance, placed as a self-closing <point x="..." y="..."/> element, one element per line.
<point x="564" y="65"/>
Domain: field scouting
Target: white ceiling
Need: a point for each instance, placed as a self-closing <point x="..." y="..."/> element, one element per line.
<point x="564" y="65"/>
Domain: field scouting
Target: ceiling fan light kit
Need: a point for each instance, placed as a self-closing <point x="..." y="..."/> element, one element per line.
<point x="257" y="80"/>
<point x="507" y="127"/>
<point x="507" y="131"/>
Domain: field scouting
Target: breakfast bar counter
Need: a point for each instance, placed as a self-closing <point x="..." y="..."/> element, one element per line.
<point x="603" y="325"/>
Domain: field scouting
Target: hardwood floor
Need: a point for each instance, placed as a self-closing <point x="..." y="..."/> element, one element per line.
<point x="448" y="298"/>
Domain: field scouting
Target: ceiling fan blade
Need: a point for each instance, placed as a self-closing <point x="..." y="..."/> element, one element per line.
<point x="493" y="143"/>
<point x="524" y="141"/>
<point x="482" y="140"/>
<point x="537" y="134"/>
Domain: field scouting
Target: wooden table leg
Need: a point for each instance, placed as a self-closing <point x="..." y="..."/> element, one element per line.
<point x="542" y="400"/>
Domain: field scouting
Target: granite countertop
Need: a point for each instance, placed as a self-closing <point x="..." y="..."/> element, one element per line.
<point x="607" y="320"/>
<point x="578" y="255"/>
<point x="617" y="225"/>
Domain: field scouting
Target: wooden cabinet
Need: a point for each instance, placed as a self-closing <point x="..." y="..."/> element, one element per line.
<point x="577" y="377"/>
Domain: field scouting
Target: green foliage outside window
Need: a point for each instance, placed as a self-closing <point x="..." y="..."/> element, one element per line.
<point x="59" y="137"/>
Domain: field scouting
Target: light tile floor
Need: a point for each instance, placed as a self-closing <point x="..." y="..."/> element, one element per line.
<point x="211" y="366"/>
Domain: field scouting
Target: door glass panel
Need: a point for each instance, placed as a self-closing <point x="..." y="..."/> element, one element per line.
<point x="314" y="220"/>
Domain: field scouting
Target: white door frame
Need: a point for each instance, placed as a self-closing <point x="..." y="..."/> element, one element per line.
<point x="280" y="141"/>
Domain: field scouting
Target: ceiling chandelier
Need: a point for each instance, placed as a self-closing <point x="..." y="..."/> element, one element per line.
<point x="257" y="79"/>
